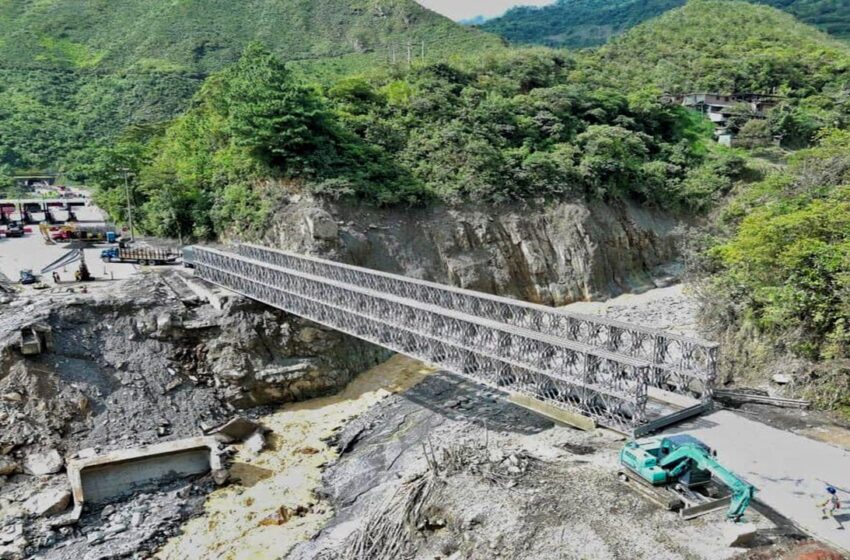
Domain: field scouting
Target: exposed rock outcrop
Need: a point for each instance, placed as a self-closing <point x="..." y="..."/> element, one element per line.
<point x="135" y="364"/>
<point x="553" y="254"/>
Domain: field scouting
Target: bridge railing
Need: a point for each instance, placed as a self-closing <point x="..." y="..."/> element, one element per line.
<point x="679" y="364"/>
<point x="610" y="388"/>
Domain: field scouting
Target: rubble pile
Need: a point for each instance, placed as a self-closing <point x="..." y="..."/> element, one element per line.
<point x="138" y="363"/>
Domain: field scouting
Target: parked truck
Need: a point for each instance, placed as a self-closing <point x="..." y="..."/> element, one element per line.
<point x="139" y="255"/>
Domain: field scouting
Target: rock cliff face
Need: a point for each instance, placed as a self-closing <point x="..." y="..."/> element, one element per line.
<point x="552" y="254"/>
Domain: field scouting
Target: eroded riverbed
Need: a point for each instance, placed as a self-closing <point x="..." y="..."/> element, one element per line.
<point x="246" y="520"/>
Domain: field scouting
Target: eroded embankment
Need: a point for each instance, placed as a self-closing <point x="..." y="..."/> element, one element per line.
<point x="138" y="362"/>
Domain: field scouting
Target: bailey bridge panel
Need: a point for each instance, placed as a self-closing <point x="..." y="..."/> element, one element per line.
<point x="678" y="363"/>
<point x="610" y="388"/>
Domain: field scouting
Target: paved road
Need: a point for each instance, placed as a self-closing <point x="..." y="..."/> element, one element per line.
<point x="31" y="252"/>
<point x="788" y="470"/>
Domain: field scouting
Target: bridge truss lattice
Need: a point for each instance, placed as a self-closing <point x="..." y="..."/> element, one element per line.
<point x="589" y="365"/>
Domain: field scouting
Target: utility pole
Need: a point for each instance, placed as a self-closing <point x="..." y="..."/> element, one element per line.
<point x="129" y="204"/>
<point x="423" y="51"/>
<point x="409" y="47"/>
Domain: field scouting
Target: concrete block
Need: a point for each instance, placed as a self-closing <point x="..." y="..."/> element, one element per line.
<point x="557" y="414"/>
<point x="105" y="477"/>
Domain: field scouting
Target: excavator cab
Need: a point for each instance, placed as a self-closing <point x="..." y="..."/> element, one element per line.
<point x="694" y="476"/>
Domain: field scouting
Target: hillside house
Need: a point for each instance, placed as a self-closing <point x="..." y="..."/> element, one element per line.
<point x="32" y="182"/>
<point x="721" y="107"/>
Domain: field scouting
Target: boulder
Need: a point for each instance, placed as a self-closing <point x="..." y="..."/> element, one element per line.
<point x="256" y="442"/>
<point x="164" y="322"/>
<point x="12" y="551"/>
<point x="781" y="379"/>
<point x="237" y="429"/>
<point x="49" y="502"/>
<point x="11" y="533"/>
<point x="309" y="335"/>
<point x="7" y="466"/>
<point x="320" y="224"/>
<point x="47" y="462"/>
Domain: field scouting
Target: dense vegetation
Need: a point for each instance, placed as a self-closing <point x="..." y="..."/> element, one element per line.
<point x="74" y="73"/>
<point x="507" y="126"/>
<point x="51" y="116"/>
<point x="784" y="269"/>
<point x="502" y="128"/>
<point x="712" y="45"/>
<point x="575" y="23"/>
<point x="589" y="23"/>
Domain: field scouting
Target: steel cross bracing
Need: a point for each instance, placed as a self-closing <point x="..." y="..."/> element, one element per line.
<point x="679" y="364"/>
<point x="608" y="387"/>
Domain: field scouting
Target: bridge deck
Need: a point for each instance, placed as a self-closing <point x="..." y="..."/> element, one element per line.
<point x="680" y="363"/>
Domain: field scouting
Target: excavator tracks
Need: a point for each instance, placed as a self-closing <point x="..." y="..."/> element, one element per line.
<point x="689" y="503"/>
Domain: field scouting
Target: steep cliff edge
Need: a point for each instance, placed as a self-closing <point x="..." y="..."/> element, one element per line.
<point x="553" y="254"/>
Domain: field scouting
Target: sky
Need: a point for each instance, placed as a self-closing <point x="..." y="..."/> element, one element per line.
<point x="464" y="9"/>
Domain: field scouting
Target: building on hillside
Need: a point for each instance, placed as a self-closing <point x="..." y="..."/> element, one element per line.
<point x="722" y="108"/>
<point x="32" y="182"/>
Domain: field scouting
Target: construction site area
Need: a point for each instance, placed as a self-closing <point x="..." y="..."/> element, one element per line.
<point x="159" y="410"/>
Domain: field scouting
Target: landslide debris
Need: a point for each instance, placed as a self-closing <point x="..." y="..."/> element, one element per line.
<point x="450" y="470"/>
<point x="140" y="362"/>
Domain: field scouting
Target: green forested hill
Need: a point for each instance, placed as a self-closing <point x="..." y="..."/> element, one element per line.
<point x="205" y="35"/>
<point x="723" y="45"/>
<point x="575" y="23"/>
<point x="587" y="23"/>
<point x="76" y="72"/>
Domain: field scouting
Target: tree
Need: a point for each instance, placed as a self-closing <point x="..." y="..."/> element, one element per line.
<point x="268" y="112"/>
<point x="756" y="132"/>
<point x="611" y="158"/>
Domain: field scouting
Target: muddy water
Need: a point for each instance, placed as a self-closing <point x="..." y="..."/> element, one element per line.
<point x="243" y="520"/>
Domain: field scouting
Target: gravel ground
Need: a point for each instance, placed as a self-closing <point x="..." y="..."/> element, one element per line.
<point x="669" y="308"/>
<point x="443" y="469"/>
<point x="31" y="252"/>
<point x="507" y="484"/>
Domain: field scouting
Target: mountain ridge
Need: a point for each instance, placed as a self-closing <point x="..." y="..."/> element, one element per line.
<point x="78" y="72"/>
<point x="205" y="35"/>
<point x="590" y="23"/>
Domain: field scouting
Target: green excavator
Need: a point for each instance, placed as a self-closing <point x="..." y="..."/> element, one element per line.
<point x="681" y="472"/>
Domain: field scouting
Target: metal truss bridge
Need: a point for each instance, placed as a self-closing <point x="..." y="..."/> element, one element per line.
<point x="613" y="372"/>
